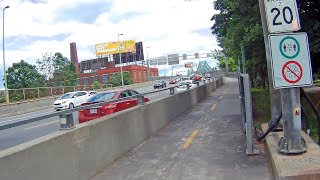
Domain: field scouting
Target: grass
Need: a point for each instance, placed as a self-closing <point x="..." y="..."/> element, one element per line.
<point x="316" y="82"/>
<point x="260" y="106"/>
<point x="262" y="113"/>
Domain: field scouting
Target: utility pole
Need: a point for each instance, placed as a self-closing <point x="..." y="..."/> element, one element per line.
<point x="148" y="65"/>
<point x="4" y="61"/>
<point x="120" y="60"/>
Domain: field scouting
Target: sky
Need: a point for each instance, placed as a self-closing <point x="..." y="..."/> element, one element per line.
<point x="35" y="27"/>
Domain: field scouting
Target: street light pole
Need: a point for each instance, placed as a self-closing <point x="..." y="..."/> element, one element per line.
<point x="120" y="59"/>
<point x="148" y="64"/>
<point x="4" y="60"/>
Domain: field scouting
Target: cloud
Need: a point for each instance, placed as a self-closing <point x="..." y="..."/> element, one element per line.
<point x="34" y="27"/>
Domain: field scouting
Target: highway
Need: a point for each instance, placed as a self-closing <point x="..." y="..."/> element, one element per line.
<point x="20" y="134"/>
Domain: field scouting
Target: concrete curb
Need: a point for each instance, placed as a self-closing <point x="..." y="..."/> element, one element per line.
<point x="303" y="167"/>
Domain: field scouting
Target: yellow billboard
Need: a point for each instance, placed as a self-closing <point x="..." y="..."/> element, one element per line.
<point x="112" y="47"/>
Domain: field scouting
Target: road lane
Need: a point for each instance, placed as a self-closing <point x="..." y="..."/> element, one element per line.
<point x="27" y="132"/>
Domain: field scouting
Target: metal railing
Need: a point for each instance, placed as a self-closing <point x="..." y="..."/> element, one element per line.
<point x="246" y="111"/>
<point x="305" y="118"/>
<point x="41" y="92"/>
<point x="67" y="117"/>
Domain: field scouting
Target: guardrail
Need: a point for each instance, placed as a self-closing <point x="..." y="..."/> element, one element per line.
<point x="246" y="111"/>
<point x="67" y="117"/>
<point x="40" y="92"/>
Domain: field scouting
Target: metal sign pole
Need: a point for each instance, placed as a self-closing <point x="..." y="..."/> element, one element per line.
<point x="292" y="142"/>
<point x="275" y="100"/>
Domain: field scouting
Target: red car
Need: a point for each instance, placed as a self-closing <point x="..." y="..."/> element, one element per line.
<point x="197" y="78"/>
<point x="109" y="108"/>
<point x="172" y="81"/>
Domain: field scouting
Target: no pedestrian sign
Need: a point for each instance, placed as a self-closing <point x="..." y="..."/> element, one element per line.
<point x="290" y="59"/>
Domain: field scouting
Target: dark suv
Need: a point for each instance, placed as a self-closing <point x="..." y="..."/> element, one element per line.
<point x="160" y="84"/>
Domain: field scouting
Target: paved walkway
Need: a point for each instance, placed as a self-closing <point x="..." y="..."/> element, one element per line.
<point x="205" y="143"/>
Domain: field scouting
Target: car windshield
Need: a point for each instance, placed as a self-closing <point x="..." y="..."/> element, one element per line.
<point x="158" y="81"/>
<point x="66" y="96"/>
<point x="102" y="97"/>
<point x="184" y="83"/>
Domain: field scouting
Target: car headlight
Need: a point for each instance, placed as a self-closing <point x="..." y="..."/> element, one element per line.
<point x="63" y="102"/>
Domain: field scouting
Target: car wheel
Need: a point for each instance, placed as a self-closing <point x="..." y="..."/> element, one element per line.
<point x="71" y="106"/>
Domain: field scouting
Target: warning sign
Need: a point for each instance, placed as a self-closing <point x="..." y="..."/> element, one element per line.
<point x="290" y="59"/>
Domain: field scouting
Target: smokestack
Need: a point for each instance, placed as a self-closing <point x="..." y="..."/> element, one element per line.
<point x="74" y="56"/>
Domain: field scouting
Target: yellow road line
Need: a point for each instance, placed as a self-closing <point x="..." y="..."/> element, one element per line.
<point x="213" y="107"/>
<point x="189" y="140"/>
<point x="32" y="127"/>
<point x="220" y="97"/>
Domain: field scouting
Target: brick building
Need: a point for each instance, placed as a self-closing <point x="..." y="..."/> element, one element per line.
<point x="101" y="69"/>
<point x="137" y="73"/>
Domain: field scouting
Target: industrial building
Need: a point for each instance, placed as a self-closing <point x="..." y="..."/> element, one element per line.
<point x="101" y="69"/>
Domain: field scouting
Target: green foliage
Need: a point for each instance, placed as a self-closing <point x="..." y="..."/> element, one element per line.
<point x="24" y="75"/>
<point x="238" y="23"/>
<point x="57" y="69"/>
<point x="96" y="85"/>
<point x="232" y="64"/>
<point x="260" y="106"/>
<point x="116" y="79"/>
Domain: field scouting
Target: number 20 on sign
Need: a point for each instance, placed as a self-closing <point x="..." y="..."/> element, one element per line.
<point x="282" y="15"/>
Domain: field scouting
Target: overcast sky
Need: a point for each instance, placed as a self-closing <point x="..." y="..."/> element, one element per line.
<point x="34" y="27"/>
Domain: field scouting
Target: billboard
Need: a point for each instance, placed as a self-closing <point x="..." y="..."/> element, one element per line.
<point x="188" y="65"/>
<point x="173" y="59"/>
<point x="104" y="49"/>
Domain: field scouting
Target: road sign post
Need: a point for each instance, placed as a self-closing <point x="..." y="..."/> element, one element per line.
<point x="291" y="68"/>
<point x="290" y="59"/>
<point x="275" y="98"/>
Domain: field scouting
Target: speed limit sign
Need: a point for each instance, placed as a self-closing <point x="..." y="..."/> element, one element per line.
<point x="282" y="15"/>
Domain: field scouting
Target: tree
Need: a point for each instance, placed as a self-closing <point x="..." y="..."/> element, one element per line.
<point x="310" y="22"/>
<point x="238" y="23"/>
<point x="116" y="79"/>
<point x="24" y="75"/>
<point x="57" y="69"/>
<point x="232" y="64"/>
<point x="46" y="65"/>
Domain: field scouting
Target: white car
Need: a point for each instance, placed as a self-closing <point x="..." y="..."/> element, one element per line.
<point x="71" y="100"/>
<point x="183" y="85"/>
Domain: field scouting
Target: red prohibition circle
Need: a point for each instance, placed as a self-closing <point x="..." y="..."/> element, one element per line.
<point x="285" y="66"/>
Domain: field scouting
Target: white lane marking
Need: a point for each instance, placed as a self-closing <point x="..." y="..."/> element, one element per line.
<point x="40" y="125"/>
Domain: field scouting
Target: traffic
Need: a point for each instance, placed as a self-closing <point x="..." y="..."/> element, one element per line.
<point x="24" y="133"/>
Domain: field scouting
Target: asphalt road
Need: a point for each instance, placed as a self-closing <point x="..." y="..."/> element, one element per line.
<point x="20" y="134"/>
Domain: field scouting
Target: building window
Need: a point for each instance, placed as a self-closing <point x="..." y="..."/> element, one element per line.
<point x="85" y="81"/>
<point x="94" y="79"/>
<point x="104" y="78"/>
<point x="77" y="82"/>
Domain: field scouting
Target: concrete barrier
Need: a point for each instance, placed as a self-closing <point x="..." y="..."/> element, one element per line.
<point x="22" y="107"/>
<point x="83" y="152"/>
